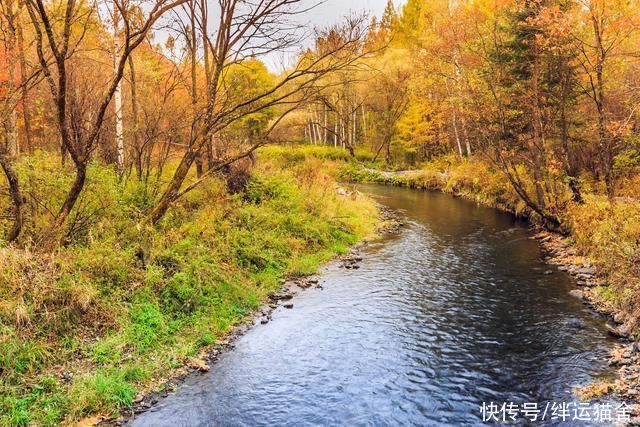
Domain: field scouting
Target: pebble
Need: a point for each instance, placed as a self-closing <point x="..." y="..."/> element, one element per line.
<point x="577" y="293"/>
<point x="199" y="365"/>
<point x="619" y="332"/>
<point x="633" y="422"/>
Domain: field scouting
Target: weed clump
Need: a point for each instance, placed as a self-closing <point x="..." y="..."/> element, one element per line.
<point x="85" y="329"/>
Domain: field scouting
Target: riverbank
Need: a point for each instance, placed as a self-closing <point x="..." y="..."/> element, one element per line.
<point x="598" y="245"/>
<point x="277" y="299"/>
<point x="625" y="356"/>
<point x="88" y="330"/>
<point x="422" y="304"/>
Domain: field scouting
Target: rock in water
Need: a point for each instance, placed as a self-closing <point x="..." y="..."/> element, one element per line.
<point x="576" y="293"/>
<point x="575" y="324"/>
<point x="199" y="365"/>
<point x="619" y="332"/>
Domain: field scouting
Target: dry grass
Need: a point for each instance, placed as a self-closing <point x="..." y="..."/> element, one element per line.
<point x="84" y="329"/>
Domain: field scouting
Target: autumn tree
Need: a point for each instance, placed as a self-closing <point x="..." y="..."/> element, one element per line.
<point x="12" y="85"/>
<point x="244" y="31"/>
<point x="58" y="38"/>
<point x="602" y="37"/>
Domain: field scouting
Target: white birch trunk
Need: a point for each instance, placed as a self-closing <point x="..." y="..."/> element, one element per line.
<point x="364" y="124"/>
<point x="456" y="134"/>
<point x="355" y="128"/>
<point x="117" y="98"/>
<point x="324" y="127"/>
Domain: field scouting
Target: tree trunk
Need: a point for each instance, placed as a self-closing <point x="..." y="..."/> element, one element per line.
<point x="10" y="125"/>
<point x="364" y="124"/>
<point x="56" y="232"/>
<point x="26" y="117"/>
<point x="117" y="96"/>
<point x="570" y="167"/>
<point x="173" y="189"/>
<point x="539" y="142"/>
<point x="465" y="133"/>
<point x="599" y="98"/>
<point x="324" y="127"/>
<point x="193" y="51"/>
<point x="207" y="75"/>
<point x="454" y="119"/>
<point x="134" y="120"/>
<point x="314" y="130"/>
<point x="14" y="192"/>
<point x="355" y="128"/>
<point x="549" y="220"/>
<point x="458" y="89"/>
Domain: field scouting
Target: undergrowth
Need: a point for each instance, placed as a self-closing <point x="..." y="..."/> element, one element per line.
<point x="85" y="329"/>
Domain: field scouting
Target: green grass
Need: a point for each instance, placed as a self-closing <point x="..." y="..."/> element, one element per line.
<point x="86" y="329"/>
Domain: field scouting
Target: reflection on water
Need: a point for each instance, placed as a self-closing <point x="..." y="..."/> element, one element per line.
<point x="453" y="311"/>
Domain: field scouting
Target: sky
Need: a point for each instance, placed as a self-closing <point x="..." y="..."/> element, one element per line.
<point x="326" y="13"/>
<point x="322" y="13"/>
<point x="332" y="11"/>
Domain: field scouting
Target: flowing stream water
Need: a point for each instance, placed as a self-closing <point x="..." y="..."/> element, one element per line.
<point x="455" y="310"/>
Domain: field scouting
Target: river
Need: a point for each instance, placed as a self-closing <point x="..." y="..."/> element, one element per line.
<point x="455" y="310"/>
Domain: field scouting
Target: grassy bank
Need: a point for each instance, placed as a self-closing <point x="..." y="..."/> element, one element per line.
<point x="606" y="234"/>
<point x="84" y="330"/>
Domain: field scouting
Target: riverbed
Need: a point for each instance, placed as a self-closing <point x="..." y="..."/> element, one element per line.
<point x="455" y="309"/>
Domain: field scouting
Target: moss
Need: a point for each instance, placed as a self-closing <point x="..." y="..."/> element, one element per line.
<point x="605" y="293"/>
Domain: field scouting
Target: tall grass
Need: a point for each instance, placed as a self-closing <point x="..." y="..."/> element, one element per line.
<point x="85" y="329"/>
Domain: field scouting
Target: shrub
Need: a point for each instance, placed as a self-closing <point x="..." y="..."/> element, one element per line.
<point x="122" y="303"/>
<point x="181" y="295"/>
<point x="103" y="391"/>
<point x="148" y="326"/>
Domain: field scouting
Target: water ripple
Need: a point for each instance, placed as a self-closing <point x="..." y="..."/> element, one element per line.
<point x="454" y="311"/>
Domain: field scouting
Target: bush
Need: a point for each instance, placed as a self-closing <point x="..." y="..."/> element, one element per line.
<point x="350" y="172"/>
<point x="122" y="303"/>
<point x="608" y="234"/>
<point x="148" y="326"/>
<point x="182" y="294"/>
<point x="103" y="391"/>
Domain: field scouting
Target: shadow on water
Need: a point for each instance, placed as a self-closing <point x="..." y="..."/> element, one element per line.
<point x="453" y="311"/>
